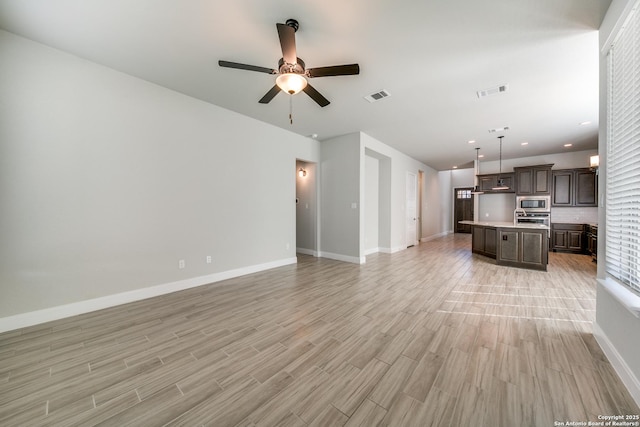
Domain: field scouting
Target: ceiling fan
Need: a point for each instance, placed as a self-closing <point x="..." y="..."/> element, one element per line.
<point x="292" y="74"/>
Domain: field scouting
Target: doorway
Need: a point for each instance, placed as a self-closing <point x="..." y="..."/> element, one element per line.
<point x="462" y="208"/>
<point x="306" y="208"/>
<point x="411" y="211"/>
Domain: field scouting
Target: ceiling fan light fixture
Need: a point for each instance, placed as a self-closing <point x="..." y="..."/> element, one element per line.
<point x="291" y="83"/>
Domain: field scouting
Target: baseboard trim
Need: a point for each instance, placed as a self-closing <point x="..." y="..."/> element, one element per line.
<point x="344" y="258"/>
<point x="371" y="251"/>
<point x="37" y="317"/>
<point x="305" y="251"/>
<point x="619" y="365"/>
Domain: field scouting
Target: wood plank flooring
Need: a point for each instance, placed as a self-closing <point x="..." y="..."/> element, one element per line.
<point x="430" y="336"/>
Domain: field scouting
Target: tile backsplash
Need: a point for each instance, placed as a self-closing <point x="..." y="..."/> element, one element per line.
<point x="574" y="215"/>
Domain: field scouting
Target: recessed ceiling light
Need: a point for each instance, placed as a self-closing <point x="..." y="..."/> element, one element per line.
<point x="524" y="143"/>
<point x="568" y="145"/>
<point x="481" y="155"/>
<point x="585" y="123"/>
<point x="455" y="167"/>
<point x="473" y="141"/>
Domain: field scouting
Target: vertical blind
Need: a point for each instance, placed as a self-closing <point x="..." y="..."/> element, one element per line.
<point x="623" y="155"/>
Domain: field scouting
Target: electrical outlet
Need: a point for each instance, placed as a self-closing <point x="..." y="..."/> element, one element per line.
<point x="208" y="259"/>
<point x="181" y="264"/>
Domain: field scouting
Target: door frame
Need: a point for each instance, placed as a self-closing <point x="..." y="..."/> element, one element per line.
<point x="411" y="221"/>
<point x="455" y="210"/>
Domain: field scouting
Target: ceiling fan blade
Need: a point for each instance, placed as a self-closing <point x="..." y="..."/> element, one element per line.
<point x="270" y="95"/>
<point x="315" y="95"/>
<point x="239" y="66"/>
<point x="335" y="70"/>
<point x="287" y="37"/>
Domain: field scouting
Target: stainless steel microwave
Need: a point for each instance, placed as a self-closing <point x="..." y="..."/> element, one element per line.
<point x="534" y="203"/>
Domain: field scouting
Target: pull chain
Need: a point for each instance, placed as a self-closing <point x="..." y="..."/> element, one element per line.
<point x="291" y="109"/>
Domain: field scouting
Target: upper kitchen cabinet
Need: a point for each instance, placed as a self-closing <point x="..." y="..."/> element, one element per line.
<point x="533" y="180"/>
<point x="488" y="182"/>
<point x="574" y="187"/>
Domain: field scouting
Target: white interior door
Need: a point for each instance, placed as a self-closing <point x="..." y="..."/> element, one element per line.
<point x="411" y="211"/>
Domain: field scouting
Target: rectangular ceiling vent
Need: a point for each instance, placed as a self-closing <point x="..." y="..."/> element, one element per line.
<point x="377" y="96"/>
<point x="492" y="91"/>
<point x="499" y="129"/>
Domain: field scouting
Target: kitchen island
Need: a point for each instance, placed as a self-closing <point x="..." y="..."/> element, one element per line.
<point x="513" y="245"/>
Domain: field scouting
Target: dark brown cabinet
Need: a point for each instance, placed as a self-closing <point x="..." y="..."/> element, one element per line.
<point x="489" y="181"/>
<point x="523" y="248"/>
<point x="568" y="238"/>
<point x="586" y="188"/>
<point x="484" y="240"/>
<point x="533" y="180"/>
<point x="592" y="241"/>
<point x="514" y="247"/>
<point x="574" y="187"/>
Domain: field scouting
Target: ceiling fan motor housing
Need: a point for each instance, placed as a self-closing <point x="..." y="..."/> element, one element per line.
<point x="285" y="68"/>
<point x="293" y="24"/>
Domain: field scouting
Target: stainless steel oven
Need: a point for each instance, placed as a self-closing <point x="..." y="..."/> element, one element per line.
<point x="543" y="218"/>
<point x="532" y="204"/>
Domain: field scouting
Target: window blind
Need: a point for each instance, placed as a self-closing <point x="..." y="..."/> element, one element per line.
<point x="623" y="155"/>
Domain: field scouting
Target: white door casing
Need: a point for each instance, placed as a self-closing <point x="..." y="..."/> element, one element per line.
<point x="411" y="212"/>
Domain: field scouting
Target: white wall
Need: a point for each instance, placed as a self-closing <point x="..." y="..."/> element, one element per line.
<point x="106" y="181"/>
<point x="569" y="160"/>
<point x="400" y="165"/>
<point x="615" y="328"/>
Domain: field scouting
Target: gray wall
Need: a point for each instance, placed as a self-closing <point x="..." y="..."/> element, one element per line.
<point x="340" y="198"/>
<point x="106" y="181"/>
<point x="372" y="204"/>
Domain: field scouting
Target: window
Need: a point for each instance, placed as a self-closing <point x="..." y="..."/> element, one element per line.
<point x="463" y="194"/>
<point x="623" y="155"/>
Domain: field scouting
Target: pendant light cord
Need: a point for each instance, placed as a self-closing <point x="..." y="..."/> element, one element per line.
<point x="500" y="167"/>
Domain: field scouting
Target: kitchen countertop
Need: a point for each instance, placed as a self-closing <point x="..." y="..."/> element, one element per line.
<point x="506" y="224"/>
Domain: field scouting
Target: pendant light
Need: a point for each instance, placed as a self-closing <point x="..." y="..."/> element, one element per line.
<point x="500" y="185"/>
<point x="476" y="188"/>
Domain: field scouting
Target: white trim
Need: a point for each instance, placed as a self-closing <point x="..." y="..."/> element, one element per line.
<point x="617" y="362"/>
<point x="620" y="22"/>
<point x="435" y="236"/>
<point x="307" y="251"/>
<point x="24" y="320"/>
<point x="627" y="298"/>
<point x="344" y="258"/>
<point x="371" y="251"/>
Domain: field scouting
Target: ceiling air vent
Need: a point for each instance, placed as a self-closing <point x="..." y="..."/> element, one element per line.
<point x="377" y="96"/>
<point x="492" y="91"/>
<point x="499" y="129"/>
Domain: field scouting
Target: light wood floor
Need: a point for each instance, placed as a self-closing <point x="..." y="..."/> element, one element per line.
<point x="429" y="336"/>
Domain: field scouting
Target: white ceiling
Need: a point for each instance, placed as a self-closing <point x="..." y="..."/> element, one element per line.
<point x="430" y="55"/>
